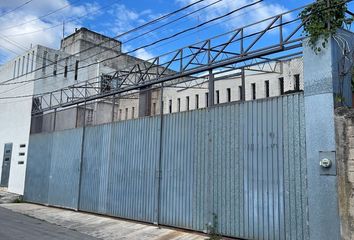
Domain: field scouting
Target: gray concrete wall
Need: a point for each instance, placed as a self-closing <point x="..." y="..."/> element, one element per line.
<point x="344" y="121"/>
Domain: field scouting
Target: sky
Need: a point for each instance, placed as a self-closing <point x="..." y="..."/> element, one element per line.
<point x="41" y="21"/>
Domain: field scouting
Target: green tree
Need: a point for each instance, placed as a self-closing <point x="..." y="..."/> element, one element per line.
<point x="322" y="19"/>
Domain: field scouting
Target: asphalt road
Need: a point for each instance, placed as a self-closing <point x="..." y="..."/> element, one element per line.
<point x="15" y="226"/>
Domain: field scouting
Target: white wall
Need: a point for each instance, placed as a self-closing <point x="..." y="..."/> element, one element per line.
<point x="15" y="118"/>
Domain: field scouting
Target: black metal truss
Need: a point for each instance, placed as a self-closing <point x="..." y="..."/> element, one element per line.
<point x="233" y="50"/>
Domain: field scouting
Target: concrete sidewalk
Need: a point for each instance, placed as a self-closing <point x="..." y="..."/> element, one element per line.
<point x="7" y="197"/>
<point x="99" y="226"/>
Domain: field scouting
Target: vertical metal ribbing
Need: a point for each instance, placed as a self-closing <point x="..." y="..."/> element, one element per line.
<point x="81" y="157"/>
<point x="159" y="167"/>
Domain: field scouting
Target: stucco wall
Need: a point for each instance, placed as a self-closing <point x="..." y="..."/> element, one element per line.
<point x="345" y="169"/>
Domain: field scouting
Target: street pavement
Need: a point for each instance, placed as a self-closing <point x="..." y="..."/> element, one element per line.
<point x="16" y="226"/>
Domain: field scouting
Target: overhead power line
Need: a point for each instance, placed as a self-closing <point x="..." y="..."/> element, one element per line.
<point x="120" y="35"/>
<point x="144" y="46"/>
<point x="16" y="8"/>
<point x="184" y="16"/>
<point x="41" y="17"/>
<point x="61" y="24"/>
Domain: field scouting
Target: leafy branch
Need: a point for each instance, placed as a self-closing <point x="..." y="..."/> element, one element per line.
<point x="322" y="19"/>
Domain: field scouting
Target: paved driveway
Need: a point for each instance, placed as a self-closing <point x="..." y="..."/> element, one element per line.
<point x="15" y="226"/>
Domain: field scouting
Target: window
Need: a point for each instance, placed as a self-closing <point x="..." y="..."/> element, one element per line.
<point x="32" y="61"/>
<point x="297" y="82"/>
<point x="76" y="68"/>
<point x="55" y="64"/>
<point x="106" y="83"/>
<point x="44" y="63"/>
<point x="21" y="153"/>
<point x="7" y="159"/>
<point x="253" y="86"/>
<point x="154" y="109"/>
<point x="126" y="113"/>
<point x="281" y="86"/>
<point x="18" y="67"/>
<point x="66" y="68"/>
<point x="14" y="75"/>
<point x="133" y="112"/>
<point x="23" y="65"/>
<point x="170" y="106"/>
<point x="266" y="86"/>
<point x="178" y="104"/>
<point x="217" y="97"/>
<point x="20" y="162"/>
<point x="22" y="145"/>
<point x="28" y="59"/>
<point x="196" y="101"/>
<point x="228" y="92"/>
<point x="240" y="92"/>
<point x="187" y="103"/>
<point x="120" y="115"/>
<point x="207" y="99"/>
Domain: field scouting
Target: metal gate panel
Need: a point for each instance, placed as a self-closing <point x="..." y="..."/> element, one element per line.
<point x="38" y="168"/>
<point x="184" y="170"/>
<point x="65" y="168"/>
<point x="94" y="176"/>
<point x="243" y="162"/>
<point x="132" y="169"/>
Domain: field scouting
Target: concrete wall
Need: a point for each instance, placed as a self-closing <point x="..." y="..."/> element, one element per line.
<point x="344" y="121"/>
<point x="287" y="70"/>
<point x="15" y="114"/>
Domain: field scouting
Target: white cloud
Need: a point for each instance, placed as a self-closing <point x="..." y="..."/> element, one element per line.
<point x="143" y="54"/>
<point x="244" y="17"/>
<point x="11" y="23"/>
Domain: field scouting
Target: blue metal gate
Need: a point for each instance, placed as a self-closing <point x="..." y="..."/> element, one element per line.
<point x="242" y="162"/>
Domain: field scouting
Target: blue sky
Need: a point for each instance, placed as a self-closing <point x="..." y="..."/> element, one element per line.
<point x="111" y="17"/>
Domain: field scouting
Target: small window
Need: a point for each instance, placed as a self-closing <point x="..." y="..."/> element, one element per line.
<point x="297" y="82"/>
<point x="8" y="151"/>
<point x="187" y="103"/>
<point x="126" y="113"/>
<point x="170" y="106"/>
<point x="196" y="101"/>
<point x="7" y="159"/>
<point x="154" y="109"/>
<point x="253" y="86"/>
<point x="76" y="68"/>
<point x="120" y="114"/>
<point x="55" y="64"/>
<point x="44" y="63"/>
<point x="281" y="86"/>
<point x="18" y="67"/>
<point x="228" y="92"/>
<point x="20" y="162"/>
<point x="21" y="154"/>
<point x="28" y="60"/>
<point x="207" y="99"/>
<point x="14" y="75"/>
<point x="23" y="65"/>
<point x="22" y="145"/>
<point x="240" y="92"/>
<point x="133" y="112"/>
<point x="217" y="97"/>
<point x="266" y="87"/>
<point x="32" y="61"/>
<point x="178" y="104"/>
<point x="66" y="68"/>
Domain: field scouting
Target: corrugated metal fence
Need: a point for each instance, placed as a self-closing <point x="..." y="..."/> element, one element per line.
<point x="243" y="162"/>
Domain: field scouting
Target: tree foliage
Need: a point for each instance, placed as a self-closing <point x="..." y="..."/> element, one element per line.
<point x="322" y="19"/>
